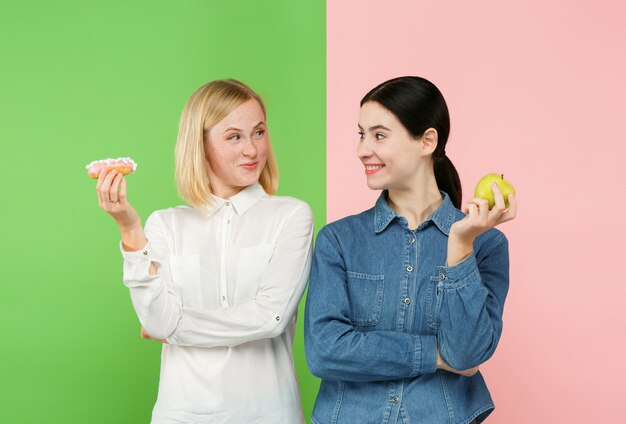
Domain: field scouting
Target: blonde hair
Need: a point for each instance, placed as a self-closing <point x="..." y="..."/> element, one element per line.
<point x="207" y="106"/>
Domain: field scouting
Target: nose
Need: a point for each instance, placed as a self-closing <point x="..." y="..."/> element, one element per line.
<point x="249" y="149"/>
<point x="364" y="149"/>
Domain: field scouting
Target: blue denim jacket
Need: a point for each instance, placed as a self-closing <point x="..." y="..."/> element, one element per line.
<point x="381" y="299"/>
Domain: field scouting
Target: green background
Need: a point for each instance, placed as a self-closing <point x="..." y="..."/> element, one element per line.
<point x="85" y="80"/>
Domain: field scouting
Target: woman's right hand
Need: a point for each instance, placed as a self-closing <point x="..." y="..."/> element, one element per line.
<point x="112" y="199"/>
<point x="442" y="365"/>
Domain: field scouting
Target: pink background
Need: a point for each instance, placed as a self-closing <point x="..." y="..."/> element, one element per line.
<point x="536" y="91"/>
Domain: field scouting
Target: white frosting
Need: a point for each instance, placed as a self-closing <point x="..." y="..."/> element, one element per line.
<point x="112" y="162"/>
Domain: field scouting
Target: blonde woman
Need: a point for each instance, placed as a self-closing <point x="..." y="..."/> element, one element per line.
<point x="219" y="281"/>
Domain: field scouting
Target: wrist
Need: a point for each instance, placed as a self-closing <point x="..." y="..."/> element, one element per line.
<point x="133" y="238"/>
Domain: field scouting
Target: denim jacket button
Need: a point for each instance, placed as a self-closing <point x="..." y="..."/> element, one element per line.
<point x="442" y="276"/>
<point x="395" y="399"/>
<point x="409" y="268"/>
<point x="407" y="301"/>
<point x="412" y="240"/>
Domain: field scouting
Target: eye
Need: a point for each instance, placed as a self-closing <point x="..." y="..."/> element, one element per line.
<point x="361" y="135"/>
<point x="380" y="136"/>
<point x="233" y="137"/>
<point x="259" y="133"/>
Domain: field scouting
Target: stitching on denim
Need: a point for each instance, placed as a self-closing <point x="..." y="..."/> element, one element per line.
<point x="461" y="283"/>
<point x="338" y="403"/>
<point x="374" y="318"/>
<point x="430" y="309"/>
<point x="365" y="276"/>
<point x="332" y="240"/>
<point x="417" y="354"/>
<point x="479" y="412"/>
<point x="447" y="397"/>
<point x="501" y="239"/>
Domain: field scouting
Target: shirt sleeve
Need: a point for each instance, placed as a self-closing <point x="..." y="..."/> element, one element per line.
<point x="274" y="307"/>
<point x="335" y="350"/>
<point x="470" y="303"/>
<point x="154" y="297"/>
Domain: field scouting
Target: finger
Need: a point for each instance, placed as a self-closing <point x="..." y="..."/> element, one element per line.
<point x="483" y="207"/>
<point x="472" y="209"/>
<point x="101" y="175"/>
<point x="114" y="187"/>
<point x="106" y="186"/>
<point x="498" y="199"/>
<point x="122" y="193"/>
<point x="106" y="183"/>
<point x="512" y="205"/>
<point x="472" y="371"/>
<point x="511" y="211"/>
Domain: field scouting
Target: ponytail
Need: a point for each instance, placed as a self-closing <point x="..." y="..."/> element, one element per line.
<point x="448" y="179"/>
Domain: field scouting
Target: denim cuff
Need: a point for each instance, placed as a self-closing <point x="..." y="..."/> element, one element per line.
<point x="424" y="355"/>
<point x="456" y="274"/>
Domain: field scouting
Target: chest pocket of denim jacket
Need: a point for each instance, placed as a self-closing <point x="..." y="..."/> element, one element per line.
<point x="366" y="298"/>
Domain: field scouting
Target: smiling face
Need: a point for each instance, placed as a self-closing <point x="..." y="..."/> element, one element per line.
<point x="392" y="157"/>
<point x="236" y="149"/>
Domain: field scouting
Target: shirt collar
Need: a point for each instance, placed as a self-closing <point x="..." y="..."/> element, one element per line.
<point x="241" y="201"/>
<point x="443" y="217"/>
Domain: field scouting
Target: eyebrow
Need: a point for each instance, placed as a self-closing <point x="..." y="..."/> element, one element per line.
<point x="376" y="127"/>
<point x="237" y="129"/>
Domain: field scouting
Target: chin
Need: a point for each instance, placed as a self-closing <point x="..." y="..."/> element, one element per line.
<point x="375" y="185"/>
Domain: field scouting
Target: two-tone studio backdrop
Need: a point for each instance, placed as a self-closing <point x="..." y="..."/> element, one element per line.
<point x="535" y="90"/>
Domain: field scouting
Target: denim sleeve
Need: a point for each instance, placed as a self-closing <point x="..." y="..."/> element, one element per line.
<point x="470" y="301"/>
<point x="335" y="350"/>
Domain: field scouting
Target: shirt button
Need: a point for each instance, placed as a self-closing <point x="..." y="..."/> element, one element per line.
<point x="145" y="253"/>
<point x="412" y="240"/>
<point x="227" y="203"/>
<point x="409" y="268"/>
<point x="395" y="399"/>
<point x="277" y="318"/>
<point x="228" y="222"/>
<point x="223" y="297"/>
<point x="407" y="301"/>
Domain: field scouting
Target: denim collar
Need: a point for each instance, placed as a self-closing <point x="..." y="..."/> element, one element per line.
<point x="443" y="217"/>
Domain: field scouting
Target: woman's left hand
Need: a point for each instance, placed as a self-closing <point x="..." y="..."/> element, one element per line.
<point x="478" y="220"/>
<point x="146" y="336"/>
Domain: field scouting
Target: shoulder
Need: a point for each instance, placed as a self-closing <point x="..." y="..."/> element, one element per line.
<point x="285" y="206"/>
<point x="352" y="222"/>
<point x="490" y="242"/>
<point x="348" y="227"/>
<point x="171" y="217"/>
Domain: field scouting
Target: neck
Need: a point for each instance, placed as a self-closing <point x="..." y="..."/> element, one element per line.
<point x="416" y="204"/>
<point x="226" y="192"/>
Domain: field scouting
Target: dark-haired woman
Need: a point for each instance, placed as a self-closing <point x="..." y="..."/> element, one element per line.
<point x="405" y="299"/>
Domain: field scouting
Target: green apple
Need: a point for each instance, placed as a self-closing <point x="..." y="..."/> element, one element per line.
<point x="483" y="188"/>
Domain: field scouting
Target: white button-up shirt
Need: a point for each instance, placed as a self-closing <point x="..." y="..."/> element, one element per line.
<point x="225" y="297"/>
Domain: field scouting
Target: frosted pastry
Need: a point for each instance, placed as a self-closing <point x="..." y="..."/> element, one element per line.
<point x="124" y="166"/>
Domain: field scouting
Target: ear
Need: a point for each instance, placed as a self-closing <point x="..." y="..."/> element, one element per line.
<point x="429" y="141"/>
